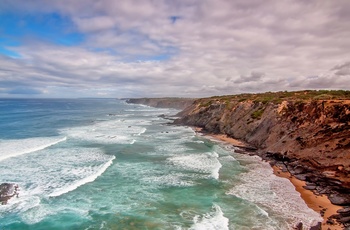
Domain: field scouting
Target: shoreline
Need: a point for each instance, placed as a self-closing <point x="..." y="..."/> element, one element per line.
<point x="319" y="203"/>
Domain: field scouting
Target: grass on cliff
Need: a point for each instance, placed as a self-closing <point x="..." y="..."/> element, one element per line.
<point x="257" y="114"/>
<point x="278" y="97"/>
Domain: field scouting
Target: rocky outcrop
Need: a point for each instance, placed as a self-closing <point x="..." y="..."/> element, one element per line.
<point x="309" y="137"/>
<point x="7" y="191"/>
<point x="175" y="103"/>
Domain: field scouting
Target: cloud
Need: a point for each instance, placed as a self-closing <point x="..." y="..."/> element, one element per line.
<point x="95" y="24"/>
<point x="254" y="76"/>
<point x="192" y="48"/>
<point x="343" y="69"/>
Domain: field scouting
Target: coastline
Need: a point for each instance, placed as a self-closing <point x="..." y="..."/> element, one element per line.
<point x="319" y="203"/>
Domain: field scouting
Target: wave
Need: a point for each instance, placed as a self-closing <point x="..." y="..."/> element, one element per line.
<point x="108" y="132"/>
<point x="169" y="180"/>
<point x="214" y="220"/>
<point x="141" y="132"/>
<point x="207" y="163"/>
<point x="13" y="148"/>
<point x="83" y="181"/>
<point x="272" y="194"/>
<point x="133" y="141"/>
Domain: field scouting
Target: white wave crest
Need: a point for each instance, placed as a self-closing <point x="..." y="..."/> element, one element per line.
<point x="108" y="132"/>
<point x="214" y="220"/>
<point x="203" y="163"/>
<point x="13" y="148"/>
<point x="83" y="181"/>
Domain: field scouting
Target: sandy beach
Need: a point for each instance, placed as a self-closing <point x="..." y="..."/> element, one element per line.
<point x="319" y="203"/>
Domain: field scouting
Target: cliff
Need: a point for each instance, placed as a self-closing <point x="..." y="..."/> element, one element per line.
<point x="175" y="103"/>
<point x="314" y="131"/>
<point x="306" y="132"/>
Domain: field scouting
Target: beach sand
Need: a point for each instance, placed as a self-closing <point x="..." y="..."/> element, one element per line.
<point x="319" y="203"/>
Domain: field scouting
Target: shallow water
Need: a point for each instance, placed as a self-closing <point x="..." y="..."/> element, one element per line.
<point x="104" y="164"/>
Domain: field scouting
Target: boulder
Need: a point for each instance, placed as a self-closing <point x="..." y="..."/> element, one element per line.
<point x="340" y="199"/>
<point x="316" y="227"/>
<point x="344" y="212"/>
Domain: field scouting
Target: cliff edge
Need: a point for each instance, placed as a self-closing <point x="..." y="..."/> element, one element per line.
<point x="306" y="132"/>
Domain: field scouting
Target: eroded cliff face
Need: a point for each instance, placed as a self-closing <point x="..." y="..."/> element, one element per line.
<point x="313" y="134"/>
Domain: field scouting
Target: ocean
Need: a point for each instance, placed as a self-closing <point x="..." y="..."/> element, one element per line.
<point x="105" y="164"/>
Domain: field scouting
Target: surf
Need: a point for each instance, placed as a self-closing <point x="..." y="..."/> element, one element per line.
<point x="83" y="181"/>
<point x="14" y="148"/>
<point x="214" y="220"/>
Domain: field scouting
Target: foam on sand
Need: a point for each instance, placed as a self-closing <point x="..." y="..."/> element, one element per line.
<point x="13" y="148"/>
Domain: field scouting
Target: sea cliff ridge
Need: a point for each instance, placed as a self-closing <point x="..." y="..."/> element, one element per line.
<point x="306" y="133"/>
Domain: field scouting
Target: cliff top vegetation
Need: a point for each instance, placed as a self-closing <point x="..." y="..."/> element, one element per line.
<point x="277" y="97"/>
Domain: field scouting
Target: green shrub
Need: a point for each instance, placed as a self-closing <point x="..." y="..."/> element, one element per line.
<point x="257" y="114"/>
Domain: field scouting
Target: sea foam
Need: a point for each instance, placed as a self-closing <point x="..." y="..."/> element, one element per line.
<point x="13" y="148"/>
<point x="273" y="195"/>
<point x="214" y="220"/>
<point x="206" y="163"/>
<point x="83" y="181"/>
<point x="108" y="132"/>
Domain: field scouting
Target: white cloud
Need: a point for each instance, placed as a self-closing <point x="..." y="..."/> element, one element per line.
<point x="257" y="45"/>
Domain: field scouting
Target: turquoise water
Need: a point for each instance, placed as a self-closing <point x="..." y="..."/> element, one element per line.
<point x="105" y="164"/>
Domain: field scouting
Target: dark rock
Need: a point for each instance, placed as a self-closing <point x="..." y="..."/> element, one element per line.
<point x="344" y="212"/>
<point x="316" y="227"/>
<point x="298" y="170"/>
<point x="310" y="183"/>
<point x="7" y="191"/>
<point x="299" y="226"/>
<point x="282" y="166"/>
<point x="344" y="219"/>
<point x="310" y="187"/>
<point x="249" y="148"/>
<point x="300" y="176"/>
<point x="322" y="212"/>
<point x="238" y="150"/>
<point x="330" y="221"/>
<point x="334" y="216"/>
<point x="324" y="190"/>
<point x="347" y="226"/>
<point x="340" y="199"/>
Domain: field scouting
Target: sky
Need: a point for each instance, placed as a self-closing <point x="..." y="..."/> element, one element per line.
<point x="171" y="48"/>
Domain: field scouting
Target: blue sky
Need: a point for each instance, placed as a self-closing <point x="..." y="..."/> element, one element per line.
<point x="192" y="48"/>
